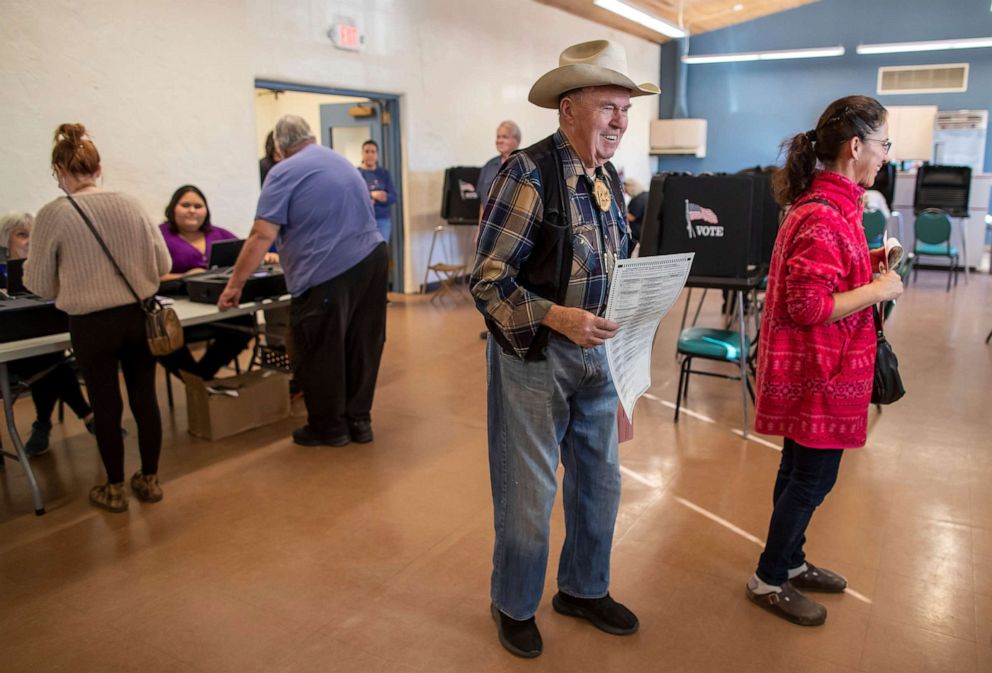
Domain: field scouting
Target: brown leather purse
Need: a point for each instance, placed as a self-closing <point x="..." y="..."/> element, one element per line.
<point x="165" y="332"/>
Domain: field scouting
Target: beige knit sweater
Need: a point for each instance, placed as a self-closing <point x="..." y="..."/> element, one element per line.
<point x="66" y="262"/>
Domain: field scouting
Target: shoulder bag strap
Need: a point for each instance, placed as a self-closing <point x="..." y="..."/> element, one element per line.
<point x="878" y="319"/>
<point x="823" y="202"/>
<point x="106" y="250"/>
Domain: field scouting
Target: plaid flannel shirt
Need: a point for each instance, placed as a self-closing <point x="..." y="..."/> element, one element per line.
<point x="512" y="215"/>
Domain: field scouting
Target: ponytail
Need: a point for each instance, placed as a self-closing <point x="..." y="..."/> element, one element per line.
<point x="796" y="175"/>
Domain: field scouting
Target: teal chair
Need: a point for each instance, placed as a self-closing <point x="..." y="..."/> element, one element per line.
<point x="932" y="238"/>
<point x="873" y="222"/>
<point x="710" y="344"/>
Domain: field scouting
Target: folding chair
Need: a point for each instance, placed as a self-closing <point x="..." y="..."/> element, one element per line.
<point x="449" y="275"/>
<point x="719" y="345"/>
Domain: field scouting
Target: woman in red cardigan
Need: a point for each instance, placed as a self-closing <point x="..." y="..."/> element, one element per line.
<point x="816" y="353"/>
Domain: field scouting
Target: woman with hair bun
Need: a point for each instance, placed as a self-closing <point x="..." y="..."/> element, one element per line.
<point x="106" y="324"/>
<point x="816" y="352"/>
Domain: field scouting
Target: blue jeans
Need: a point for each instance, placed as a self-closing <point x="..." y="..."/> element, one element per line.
<point x="566" y="401"/>
<point x="385" y="225"/>
<point x="805" y="476"/>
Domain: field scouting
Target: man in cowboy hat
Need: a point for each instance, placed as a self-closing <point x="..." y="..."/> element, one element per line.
<point x="553" y="227"/>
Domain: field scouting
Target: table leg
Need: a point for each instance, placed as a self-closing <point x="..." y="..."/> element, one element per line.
<point x="15" y="438"/>
<point x="742" y="359"/>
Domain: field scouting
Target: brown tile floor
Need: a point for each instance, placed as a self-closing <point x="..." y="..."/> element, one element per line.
<point x="270" y="557"/>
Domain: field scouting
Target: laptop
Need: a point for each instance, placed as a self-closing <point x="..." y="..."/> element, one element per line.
<point x="223" y="254"/>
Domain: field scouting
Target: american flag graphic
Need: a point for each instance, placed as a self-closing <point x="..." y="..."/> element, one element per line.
<point x="467" y="190"/>
<point x="694" y="211"/>
<point x="697" y="212"/>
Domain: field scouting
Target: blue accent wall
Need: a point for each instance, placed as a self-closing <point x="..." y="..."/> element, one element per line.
<point x="752" y="107"/>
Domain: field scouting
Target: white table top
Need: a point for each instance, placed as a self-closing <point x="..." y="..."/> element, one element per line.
<point x="190" y="313"/>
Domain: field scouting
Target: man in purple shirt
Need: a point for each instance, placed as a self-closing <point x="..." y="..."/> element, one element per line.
<point x="335" y="263"/>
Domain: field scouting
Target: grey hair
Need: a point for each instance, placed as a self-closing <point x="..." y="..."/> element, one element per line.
<point x="574" y="94"/>
<point x="512" y="127"/>
<point x="290" y="131"/>
<point x="10" y="223"/>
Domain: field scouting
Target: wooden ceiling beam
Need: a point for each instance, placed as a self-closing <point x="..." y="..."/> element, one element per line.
<point x="699" y="16"/>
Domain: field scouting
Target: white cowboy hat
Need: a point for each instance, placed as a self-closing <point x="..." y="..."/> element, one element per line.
<point x="596" y="63"/>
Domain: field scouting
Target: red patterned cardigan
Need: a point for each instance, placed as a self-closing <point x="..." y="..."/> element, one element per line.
<point x="815" y="377"/>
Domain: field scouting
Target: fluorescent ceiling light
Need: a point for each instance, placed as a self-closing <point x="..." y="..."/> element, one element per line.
<point x="931" y="45"/>
<point x="816" y="52"/>
<point x="641" y="17"/>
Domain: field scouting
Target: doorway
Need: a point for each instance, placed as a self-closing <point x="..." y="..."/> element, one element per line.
<point x="343" y="120"/>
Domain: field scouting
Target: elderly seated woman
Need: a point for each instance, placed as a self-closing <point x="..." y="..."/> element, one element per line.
<point x="189" y="233"/>
<point x="51" y="378"/>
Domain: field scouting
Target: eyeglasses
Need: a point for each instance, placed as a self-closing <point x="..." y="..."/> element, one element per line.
<point x="886" y="144"/>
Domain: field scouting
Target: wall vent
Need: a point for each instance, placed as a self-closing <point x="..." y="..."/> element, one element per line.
<point x="905" y="79"/>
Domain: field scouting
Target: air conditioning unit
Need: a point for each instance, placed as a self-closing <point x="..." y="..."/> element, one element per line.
<point x="959" y="138"/>
<point x="678" y="136"/>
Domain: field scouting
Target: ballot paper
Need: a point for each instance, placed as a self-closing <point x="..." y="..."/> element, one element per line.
<point x="642" y="291"/>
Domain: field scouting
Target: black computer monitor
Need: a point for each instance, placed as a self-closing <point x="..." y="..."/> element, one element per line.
<point x="460" y="200"/>
<point x="224" y="254"/>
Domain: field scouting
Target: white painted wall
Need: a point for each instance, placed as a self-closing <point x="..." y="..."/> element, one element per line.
<point x="167" y="90"/>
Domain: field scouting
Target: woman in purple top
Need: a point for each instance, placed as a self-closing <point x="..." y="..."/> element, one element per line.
<point x="189" y="234"/>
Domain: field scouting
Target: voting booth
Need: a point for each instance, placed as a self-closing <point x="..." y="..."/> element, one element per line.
<point x="945" y="187"/>
<point x="728" y="221"/>
<point x="460" y="199"/>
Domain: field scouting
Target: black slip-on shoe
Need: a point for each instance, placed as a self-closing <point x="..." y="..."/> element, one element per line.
<point x="37" y="443"/>
<point x="604" y="613"/>
<point x="791" y="605"/>
<point x="360" y="431"/>
<point x="306" y="436"/>
<point x="519" y="638"/>
<point x="819" y="579"/>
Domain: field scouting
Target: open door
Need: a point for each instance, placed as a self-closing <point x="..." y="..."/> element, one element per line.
<point x="343" y="128"/>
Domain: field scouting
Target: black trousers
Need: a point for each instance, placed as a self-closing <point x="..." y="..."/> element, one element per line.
<point x="104" y="341"/>
<point x="225" y="345"/>
<point x="339" y="330"/>
<point x="59" y="382"/>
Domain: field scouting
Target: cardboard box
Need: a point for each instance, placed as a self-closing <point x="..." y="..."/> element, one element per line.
<point x="225" y="407"/>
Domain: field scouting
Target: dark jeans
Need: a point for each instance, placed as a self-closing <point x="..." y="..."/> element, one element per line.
<point x="59" y="382"/>
<point x="104" y="341"/>
<point x="805" y="476"/>
<point x="339" y="329"/>
<point x="225" y="345"/>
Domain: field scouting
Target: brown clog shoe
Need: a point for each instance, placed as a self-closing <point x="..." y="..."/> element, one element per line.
<point x="790" y="605"/>
<point x="819" y="579"/>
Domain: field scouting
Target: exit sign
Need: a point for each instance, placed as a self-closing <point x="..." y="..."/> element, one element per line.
<point x="345" y="36"/>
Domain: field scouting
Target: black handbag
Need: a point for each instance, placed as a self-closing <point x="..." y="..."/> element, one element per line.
<point x="887" y="385"/>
